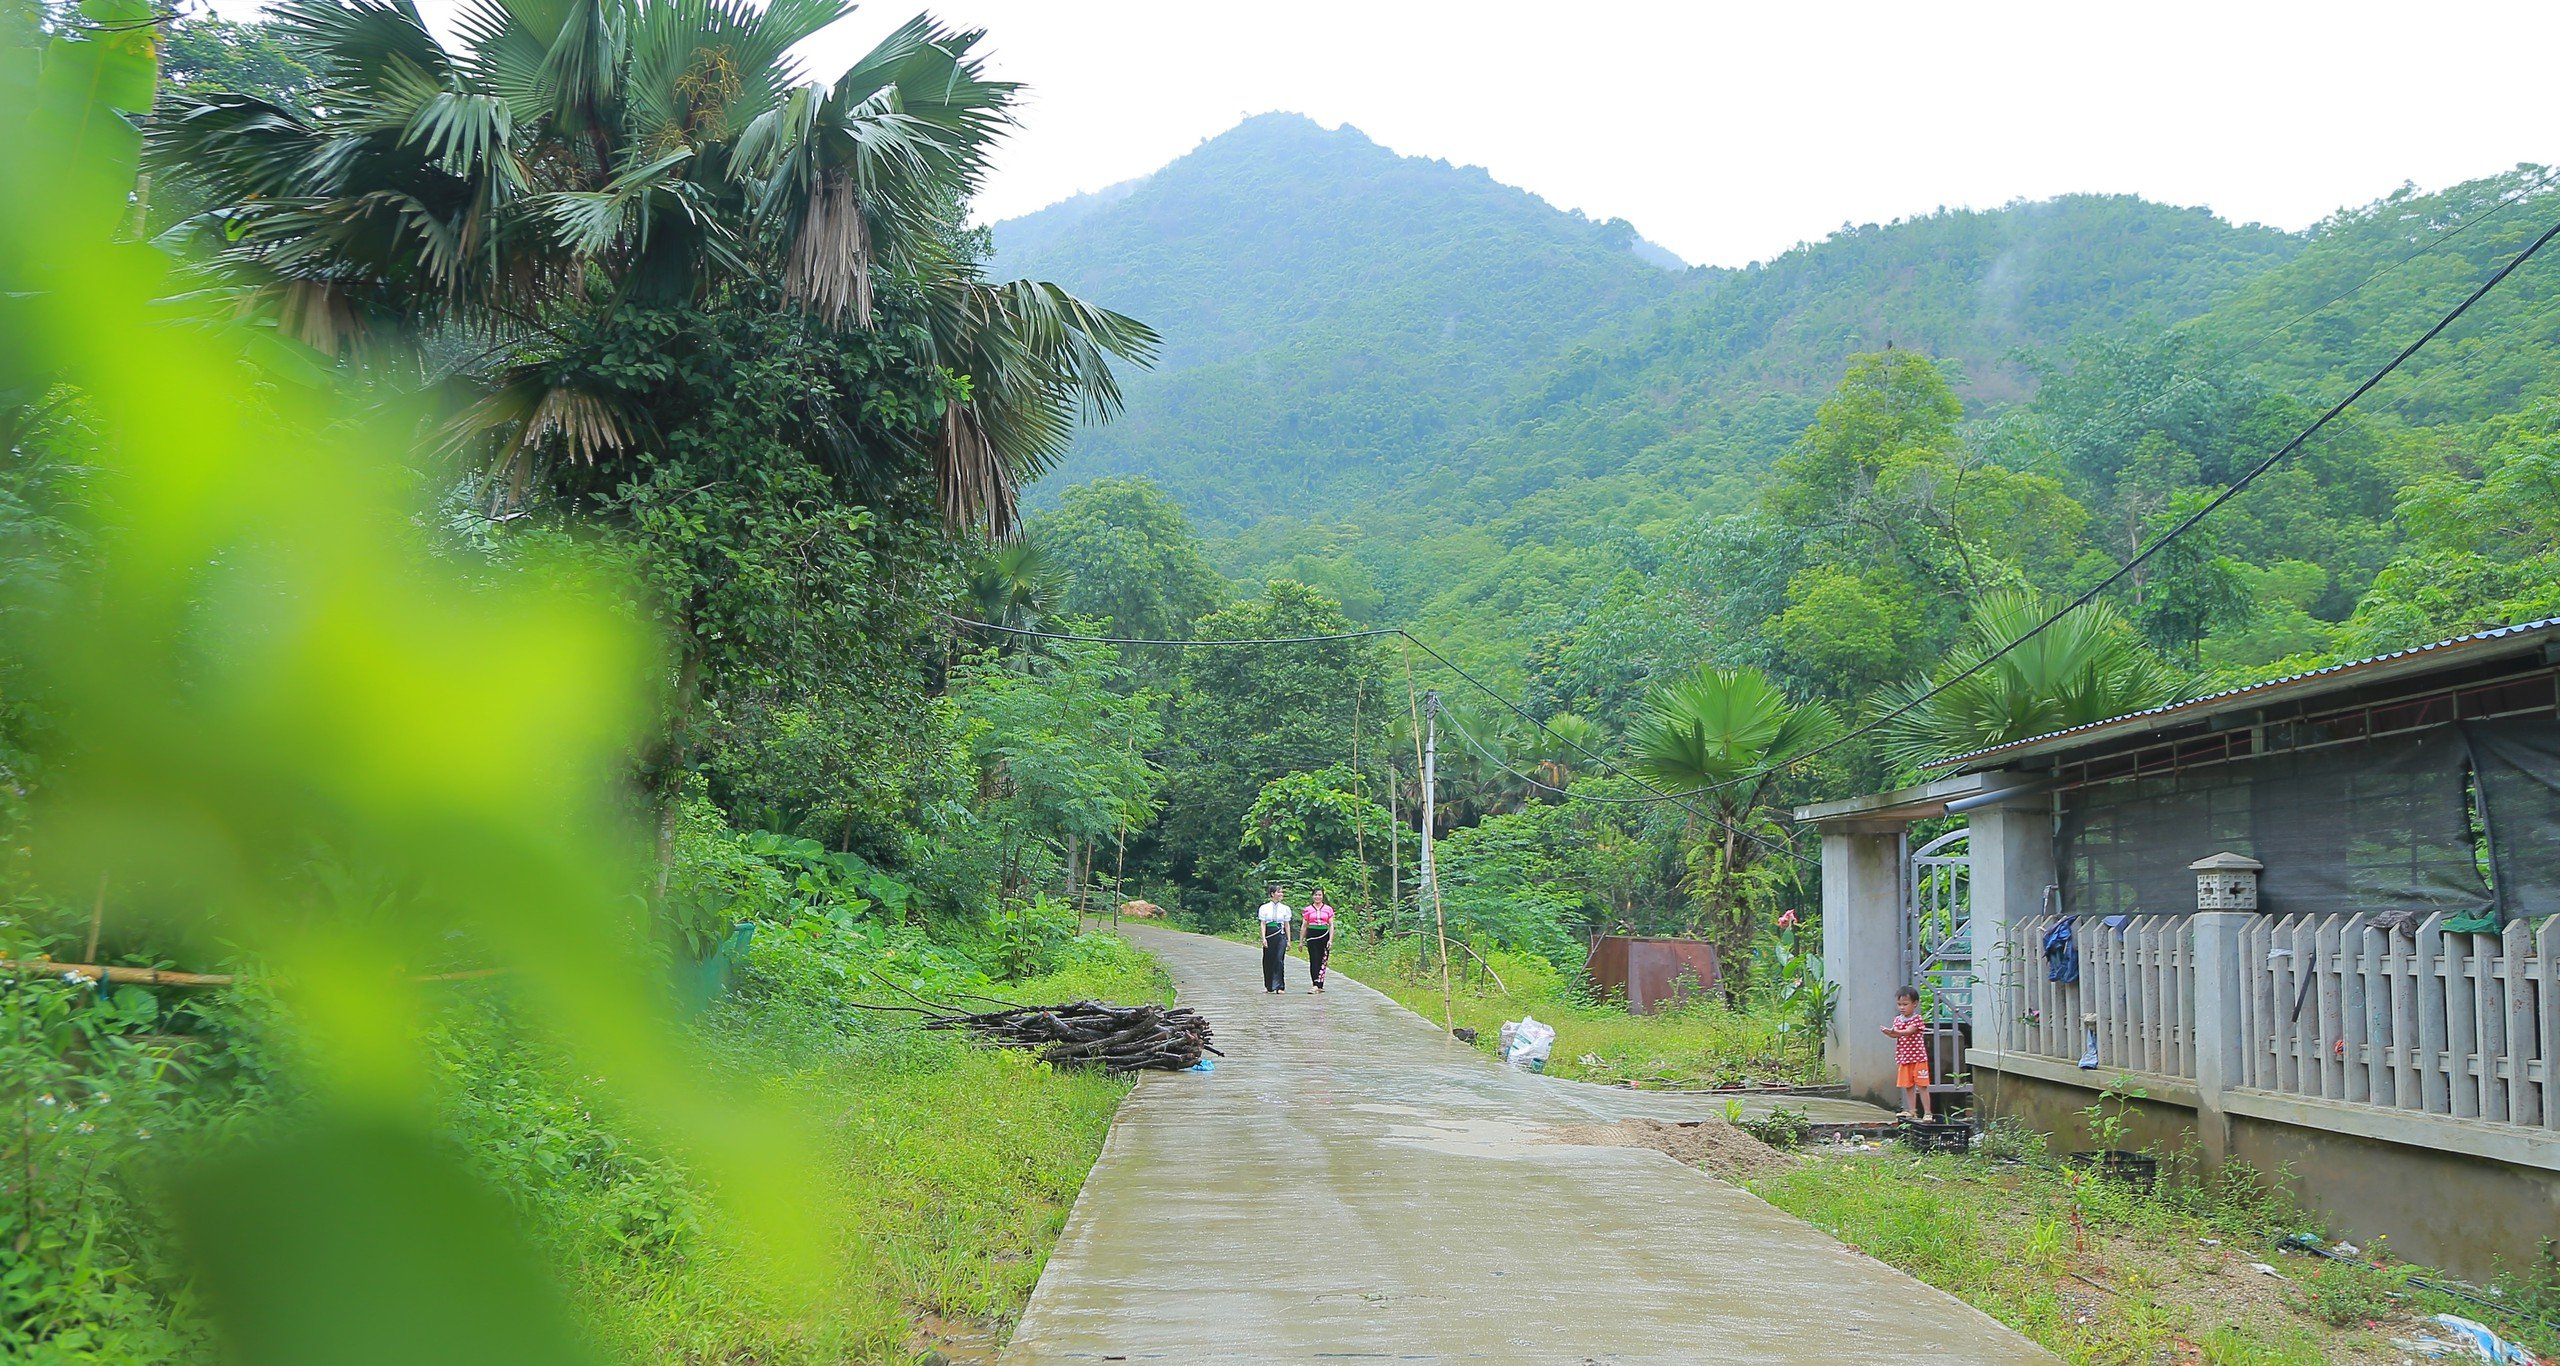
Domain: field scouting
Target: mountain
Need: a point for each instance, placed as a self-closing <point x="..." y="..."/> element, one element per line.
<point x="1329" y="309"/>
<point x="1453" y="406"/>
<point x="1706" y="390"/>
<point x="1365" y="338"/>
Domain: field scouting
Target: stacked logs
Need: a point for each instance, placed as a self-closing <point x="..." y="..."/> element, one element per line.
<point x="1090" y="1033"/>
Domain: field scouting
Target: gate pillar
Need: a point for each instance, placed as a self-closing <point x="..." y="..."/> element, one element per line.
<point x="2012" y="848"/>
<point x="1862" y="871"/>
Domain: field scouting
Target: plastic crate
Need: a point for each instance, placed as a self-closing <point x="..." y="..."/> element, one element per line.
<point x="1938" y="1138"/>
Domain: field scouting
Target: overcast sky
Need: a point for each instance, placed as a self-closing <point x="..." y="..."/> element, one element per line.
<point x="1729" y="133"/>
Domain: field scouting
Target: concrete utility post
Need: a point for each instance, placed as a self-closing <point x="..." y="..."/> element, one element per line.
<point x="1430" y="870"/>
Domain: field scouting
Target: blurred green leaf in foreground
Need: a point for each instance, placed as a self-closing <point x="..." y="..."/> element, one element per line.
<point x="257" y="673"/>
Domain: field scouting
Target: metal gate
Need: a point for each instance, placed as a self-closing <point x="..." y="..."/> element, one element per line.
<point x="1937" y="928"/>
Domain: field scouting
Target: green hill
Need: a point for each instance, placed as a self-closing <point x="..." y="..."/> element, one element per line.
<point x="1330" y="310"/>
<point x="1396" y="345"/>
<point x="2368" y="280"/>
<point x="1451" y="405"/>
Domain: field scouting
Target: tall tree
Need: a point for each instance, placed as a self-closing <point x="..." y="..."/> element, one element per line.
<point x="1248" y="714"/>
<point x="1718" y="736"/>
<point x="1131" y="558"/>
<point x="1899" y="518"/>
<point x="579" y="158"/>
<point x="728" y="315"/>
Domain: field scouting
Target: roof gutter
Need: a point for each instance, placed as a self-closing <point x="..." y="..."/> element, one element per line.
<point x="1961" y="805"/>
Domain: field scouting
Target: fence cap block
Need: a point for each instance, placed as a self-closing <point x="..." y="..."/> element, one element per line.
<point x="2226" y="862"/>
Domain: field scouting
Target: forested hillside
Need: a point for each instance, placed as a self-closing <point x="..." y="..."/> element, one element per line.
<point x="1335" y="308"/>
<point x="1431" y="395"/>
<point x="1490" y="483"/>
<point x="1777" y="501"/>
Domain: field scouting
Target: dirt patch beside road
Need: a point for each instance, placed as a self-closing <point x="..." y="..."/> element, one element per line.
<point x="1718" y="1147"/>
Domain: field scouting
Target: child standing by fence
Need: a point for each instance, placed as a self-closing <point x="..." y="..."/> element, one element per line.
<point x="1910" y="1052"/>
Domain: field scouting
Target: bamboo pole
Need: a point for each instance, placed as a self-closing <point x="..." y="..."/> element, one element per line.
<point x="1430" y="870"/>
<point x="97" y="918"/>
<point x="116" y="972"/>
<point x="170" y="977"/>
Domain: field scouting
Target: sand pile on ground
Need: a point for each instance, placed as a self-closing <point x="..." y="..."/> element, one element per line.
<point x="1719" y="1147"/>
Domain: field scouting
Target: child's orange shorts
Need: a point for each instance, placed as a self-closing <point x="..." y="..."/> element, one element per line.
<point x="1911" y="1074"/>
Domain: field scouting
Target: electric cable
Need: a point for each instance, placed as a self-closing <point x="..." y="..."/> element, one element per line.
<point x="2143" y="556"/>
<point x="1763" y="841"/>
<point x="2091" y="594"/>
<point x="1415" y="642"/>
<point x="1030" y="634"/>
<point x="2505" y="202"/>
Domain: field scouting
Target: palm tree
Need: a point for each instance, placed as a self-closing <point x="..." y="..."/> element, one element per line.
<point x="1016" y="586"/>
<point x="1559" y="750"/>
<point x="1717" y="739"/>
<point x="2088" y="666"/>
<point x="573" y="156"/>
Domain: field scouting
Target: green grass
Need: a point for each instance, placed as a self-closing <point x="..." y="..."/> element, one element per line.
<point x="2140" y="1278"/>
<point x="1697" y="1045"/>
<point x="948" y="1170"/>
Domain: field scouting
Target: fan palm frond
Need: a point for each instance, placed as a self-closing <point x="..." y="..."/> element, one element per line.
<point x="1717" y="728"/>
<point x="2088" y="666"/>
<point x="1036" y="358"/>
<point x="573" y="153"/>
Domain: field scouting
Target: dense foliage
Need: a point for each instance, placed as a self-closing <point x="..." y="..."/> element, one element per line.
<point x="1851" y="472"/>
<point x="378" y="581"/>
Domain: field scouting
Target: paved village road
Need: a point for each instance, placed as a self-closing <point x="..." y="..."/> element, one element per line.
<point x="1351" y="1183"/>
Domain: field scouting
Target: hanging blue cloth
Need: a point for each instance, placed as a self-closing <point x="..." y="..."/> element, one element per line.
<point x="2061" y="955"/>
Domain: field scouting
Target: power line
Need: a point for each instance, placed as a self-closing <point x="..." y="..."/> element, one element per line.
<point x="1658" y="795"/>
<point x="2144" y="555"/>
<point x="1763" y="841"/>
<point x="1481" y="686"/>
<point x="2140" y="558"/>
<point x="2505" y="202"/>
<point x="1030" y="634"/>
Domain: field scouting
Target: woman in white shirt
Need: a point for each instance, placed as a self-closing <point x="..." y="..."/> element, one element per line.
<point x="1275" y="943"/>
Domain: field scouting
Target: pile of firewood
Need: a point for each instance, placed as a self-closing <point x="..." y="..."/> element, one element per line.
<point x="1090" y="1033"/>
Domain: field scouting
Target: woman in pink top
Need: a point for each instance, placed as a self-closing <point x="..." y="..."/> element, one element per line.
<point x="1318" y="920"/>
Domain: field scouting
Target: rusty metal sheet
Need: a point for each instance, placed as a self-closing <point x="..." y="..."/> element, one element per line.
<point x="1652" y="972"/>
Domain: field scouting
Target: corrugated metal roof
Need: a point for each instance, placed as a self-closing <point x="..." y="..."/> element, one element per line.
<point x="2209" y="701"/>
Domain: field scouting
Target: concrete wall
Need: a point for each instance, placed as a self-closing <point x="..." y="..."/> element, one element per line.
<point x="2011" y="846"/>
<point x="1862" y="949"/>
<point x="2469" y="1215"/>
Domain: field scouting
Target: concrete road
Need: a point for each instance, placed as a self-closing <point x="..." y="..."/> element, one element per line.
<point x="1351" y="1183"/>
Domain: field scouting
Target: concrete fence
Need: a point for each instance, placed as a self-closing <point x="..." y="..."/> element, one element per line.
<point x="2463" y="1025"/>
<point x="2139" y="980"/>
<point x="2252" y="1011"/>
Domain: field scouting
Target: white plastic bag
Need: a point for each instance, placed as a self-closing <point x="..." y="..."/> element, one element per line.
<point x="1526" y="1043"/>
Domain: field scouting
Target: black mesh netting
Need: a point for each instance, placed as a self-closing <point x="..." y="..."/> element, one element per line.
<point x="2378" y="826"/>
<point x="2518" y="763"/>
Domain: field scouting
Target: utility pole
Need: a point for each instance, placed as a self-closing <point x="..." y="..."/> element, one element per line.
<point x="1430" y="870"/>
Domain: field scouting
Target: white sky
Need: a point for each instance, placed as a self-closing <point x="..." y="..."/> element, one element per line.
<point x="1729" y="133"/>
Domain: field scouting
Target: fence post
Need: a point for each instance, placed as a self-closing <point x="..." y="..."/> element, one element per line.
<point x="2220" y="979"/>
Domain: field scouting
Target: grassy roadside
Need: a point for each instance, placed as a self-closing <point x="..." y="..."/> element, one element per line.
<point x="947" y="1171"/>
<point x="1698" y="1045"/>
<point x="2138" y="1277"/>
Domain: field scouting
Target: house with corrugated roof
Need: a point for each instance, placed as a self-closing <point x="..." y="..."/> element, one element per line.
<point x="2307" y="925"/>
